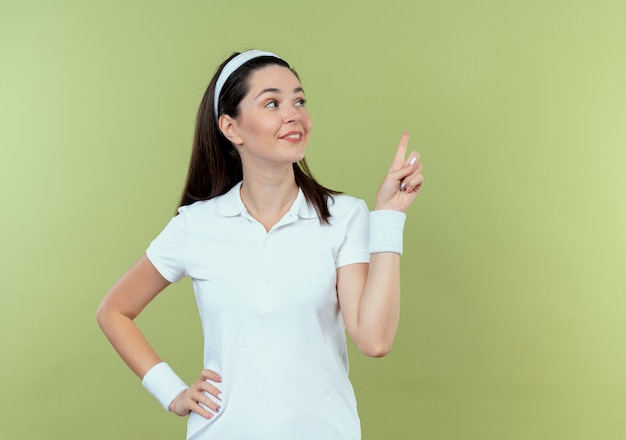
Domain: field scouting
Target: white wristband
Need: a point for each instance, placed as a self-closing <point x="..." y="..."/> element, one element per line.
<point x="163" y="384"/>
<point x="386" y="228"/>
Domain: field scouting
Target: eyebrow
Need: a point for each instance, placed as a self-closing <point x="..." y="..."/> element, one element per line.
<point x="275" y="90"/>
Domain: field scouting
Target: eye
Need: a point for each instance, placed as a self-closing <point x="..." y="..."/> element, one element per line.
<point x="300" y="102"/>
<point x="271" y="104"/>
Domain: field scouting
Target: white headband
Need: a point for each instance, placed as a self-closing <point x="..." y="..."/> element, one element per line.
<point x="233" y="65"/>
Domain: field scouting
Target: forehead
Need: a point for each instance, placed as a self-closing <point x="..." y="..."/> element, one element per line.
<point x="273" y="77"/>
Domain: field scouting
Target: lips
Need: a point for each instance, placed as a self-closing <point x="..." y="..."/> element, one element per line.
<point x="292" y="136"/>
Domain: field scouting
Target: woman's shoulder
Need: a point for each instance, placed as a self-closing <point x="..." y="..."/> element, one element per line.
<point x="199" y="208"/>
<point x="226" y="205"/>
<point x="342" y="205"/>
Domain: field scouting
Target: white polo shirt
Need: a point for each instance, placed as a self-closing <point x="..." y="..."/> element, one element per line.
<point x="270" y="315"/>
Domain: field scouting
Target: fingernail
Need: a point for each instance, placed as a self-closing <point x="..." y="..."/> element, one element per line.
<point x="412" y="160"/>
<point x="217" y="408"/>
<point x="403" y="186"/>
<point x="219" y="396"/>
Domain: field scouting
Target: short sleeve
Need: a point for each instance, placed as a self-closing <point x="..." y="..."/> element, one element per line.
<point x="168" y="251"/>
<point x="354" y="248"/>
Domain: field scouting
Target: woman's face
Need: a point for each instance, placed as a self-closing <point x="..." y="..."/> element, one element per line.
<point x="273" y="123"/>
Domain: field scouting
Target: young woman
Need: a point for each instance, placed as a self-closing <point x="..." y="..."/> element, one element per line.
<point x="282" y="268"/>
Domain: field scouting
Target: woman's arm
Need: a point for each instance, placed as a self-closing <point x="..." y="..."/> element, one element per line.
<point x="369" y="295"/>
<point x="124" y="302"/>
<point x="116" y="314"/>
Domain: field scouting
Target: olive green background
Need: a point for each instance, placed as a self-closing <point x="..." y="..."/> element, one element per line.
<point x="513" y="320"/>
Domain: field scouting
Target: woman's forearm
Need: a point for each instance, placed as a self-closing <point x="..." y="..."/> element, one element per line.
<point x="379" y="308"/>
<point x="127" y="340"/>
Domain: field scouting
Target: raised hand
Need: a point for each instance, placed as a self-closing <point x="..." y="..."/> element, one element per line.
<point x="403" y="181"/>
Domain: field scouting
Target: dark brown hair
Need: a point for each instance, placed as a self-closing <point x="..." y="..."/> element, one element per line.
<point x="215" y="165"/>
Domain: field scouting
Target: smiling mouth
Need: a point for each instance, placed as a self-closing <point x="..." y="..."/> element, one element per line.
<point x="294" y="136"/>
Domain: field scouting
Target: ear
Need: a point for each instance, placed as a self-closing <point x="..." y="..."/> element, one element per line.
<point x="228" y="127"/>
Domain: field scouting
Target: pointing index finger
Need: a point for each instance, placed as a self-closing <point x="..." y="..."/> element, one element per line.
<point x="398" y="160"/>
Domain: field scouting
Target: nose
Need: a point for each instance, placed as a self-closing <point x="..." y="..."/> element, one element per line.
<point x="292" y="114"/>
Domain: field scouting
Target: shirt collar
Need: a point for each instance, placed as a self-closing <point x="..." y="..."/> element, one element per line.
<point x="231" y="205"/>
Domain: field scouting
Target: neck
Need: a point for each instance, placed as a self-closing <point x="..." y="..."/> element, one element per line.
<point x="268" y="198"/>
